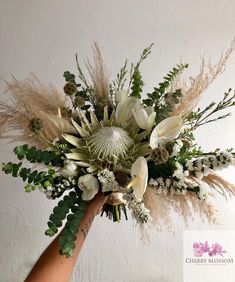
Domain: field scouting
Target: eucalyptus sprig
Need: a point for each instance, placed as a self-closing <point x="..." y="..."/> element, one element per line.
<point x="34" y="155"/>
<point x="72" y="207"/>
<point x="34" y="178"/>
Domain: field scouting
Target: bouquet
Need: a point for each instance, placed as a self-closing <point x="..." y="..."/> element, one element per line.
<point x="103" y="136"/>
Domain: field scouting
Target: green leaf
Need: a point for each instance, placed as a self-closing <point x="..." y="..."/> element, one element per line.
<point x="69" y="76"/>
<point x="32" y="176"/>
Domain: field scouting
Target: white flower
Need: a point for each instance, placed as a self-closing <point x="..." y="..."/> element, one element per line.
<point x="176" y="148"/>
<point x="70" y="169"/>
<point x="179" y="172"/>
<point x="139" y="174"/>
<point x="124" y="110"/>
<point x="144" y="117"/>
<point x="121" y="95"/>
<point x="189" y="165"/>
<point x="166" y="130"/>
<point x="89" y="185"/>
<point x="202" y="195"/>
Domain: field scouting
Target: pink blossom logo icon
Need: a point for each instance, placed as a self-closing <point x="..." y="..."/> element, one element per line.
<point x="199" y="249"/>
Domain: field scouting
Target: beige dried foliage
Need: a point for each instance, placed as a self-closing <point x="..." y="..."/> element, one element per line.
<point x="26" y="100"/>
<point x="186" y="206"/>
<point x="193" y="91"/>
<point x="219" y="184"/>
<point x="99" y="76"/>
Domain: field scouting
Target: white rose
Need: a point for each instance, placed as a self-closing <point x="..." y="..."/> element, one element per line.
<point x="70" y="169"/>
<point x="89" y="185"/>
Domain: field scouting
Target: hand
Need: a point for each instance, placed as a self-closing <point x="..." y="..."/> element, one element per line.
<point x="96" y="204"/>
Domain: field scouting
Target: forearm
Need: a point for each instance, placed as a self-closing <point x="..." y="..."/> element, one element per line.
<point x="51" y="266"/>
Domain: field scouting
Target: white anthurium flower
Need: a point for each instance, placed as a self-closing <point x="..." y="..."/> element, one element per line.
<point x="89" y="185"/>
<point x="121" y="95"/>
<point x="70" y="169"/>
<point x="144" y="117"/>
<point x="166" y="130"/>
<point x="139" y="174"/>
<point x="124" y="110"/>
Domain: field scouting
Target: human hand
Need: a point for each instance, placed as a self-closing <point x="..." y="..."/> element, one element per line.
<point x="96" y="204"/>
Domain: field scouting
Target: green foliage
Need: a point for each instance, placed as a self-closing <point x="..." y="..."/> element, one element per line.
<point x="161" y="170"/>
<point x="81" y="74"/>
<point x="34" y="155"/>
<point x="69" y="77"/>
<point x="74" y="208"/>
<point x="83" y="92"/>
<point x="121" y="78"/>
<point x="167" y="104"/>
<point x="188" y="154"/>
<point x="137" y="84"/>
<point x="158" y="94"/>
<point x="202" y="117"/>
<point x="34" y="178"/>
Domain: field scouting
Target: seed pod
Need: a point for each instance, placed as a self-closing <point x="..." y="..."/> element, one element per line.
<point x="70" y="88"/>
<point x="35" y="125"/>
<point x="79" y="102"/>
<point x="160" y="155"/>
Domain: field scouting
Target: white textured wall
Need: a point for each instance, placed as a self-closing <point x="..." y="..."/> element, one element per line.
<point x="42" y="37"/>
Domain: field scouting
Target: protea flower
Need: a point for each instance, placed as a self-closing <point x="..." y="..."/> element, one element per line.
<point x="111" y="142"/>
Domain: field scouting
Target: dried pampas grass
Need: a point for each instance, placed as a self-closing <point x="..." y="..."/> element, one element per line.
<point x="219" y="184"/>
<point x="198" y="84"/>
<point x="186" y="206"/>
<point x="99" y="76"/>
<point x="27" y="100"/>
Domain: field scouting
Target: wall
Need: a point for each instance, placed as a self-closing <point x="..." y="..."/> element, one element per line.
<point x="43" y="37"/>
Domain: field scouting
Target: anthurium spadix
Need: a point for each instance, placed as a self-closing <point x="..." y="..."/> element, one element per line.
<point x="166" y="130"/>
<point x="139" y="174"/>
<point x="144" y="117"/>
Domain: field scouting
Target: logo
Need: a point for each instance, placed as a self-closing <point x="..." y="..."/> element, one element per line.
<point x="200" y="249"/>
<point x="206" y="253"/>
<point x="209" y="255"/>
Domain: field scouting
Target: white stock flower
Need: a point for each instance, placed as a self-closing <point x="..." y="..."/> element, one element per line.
<point x="203" y="193"/>
<point x="179" y="171"/>
<point x="144" y="117"/>
<point x="89" y="185"/>
<point x="166" y="130"/>
<point x="70" y="169"/>
<point x="139" y="174"/>
<point x="121" y="95"/>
